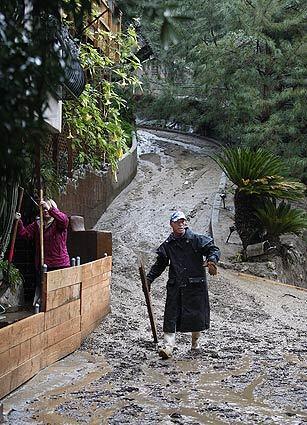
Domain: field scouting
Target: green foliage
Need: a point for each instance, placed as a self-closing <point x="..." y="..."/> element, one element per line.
<point x="31" y="68"/>
<point x="164" y="110"/>
<point x="280" y="219"/>
<point x="10" y="275"/>
<point x="258" y="172"/>
<point x="53" y="182"/>
<point x="94" y="120"/>
<point x="243" y="164"/>
<point x="257" y="175"/>
<point x="244" y="63"/>
<point x="164" y="13"/>
<point x="256" y="70"/>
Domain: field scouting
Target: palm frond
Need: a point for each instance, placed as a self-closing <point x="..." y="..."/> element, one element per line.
<point x="241" y="163"/>
<point x="281" y="219"/>
<point x="258" y="172"/>
<point x="274" y="186"/>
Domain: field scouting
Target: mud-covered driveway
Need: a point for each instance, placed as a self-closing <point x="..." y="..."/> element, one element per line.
<point x="252" y="366"/>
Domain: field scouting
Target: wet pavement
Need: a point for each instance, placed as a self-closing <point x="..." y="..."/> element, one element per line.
<point x="252" y="365"/>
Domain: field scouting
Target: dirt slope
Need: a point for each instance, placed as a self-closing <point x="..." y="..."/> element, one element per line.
<point x="252" y="366"/>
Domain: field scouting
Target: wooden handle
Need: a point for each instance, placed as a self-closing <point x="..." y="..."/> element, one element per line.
<point x="148" y="301"/>
<point x="20" y="196"/>
<point x="41" y="228"/>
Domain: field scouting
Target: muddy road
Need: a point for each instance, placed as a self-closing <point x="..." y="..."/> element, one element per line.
<point x="252" y="365"/>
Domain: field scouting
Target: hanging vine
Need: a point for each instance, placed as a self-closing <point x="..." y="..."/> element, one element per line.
<point x="98" y="134"/>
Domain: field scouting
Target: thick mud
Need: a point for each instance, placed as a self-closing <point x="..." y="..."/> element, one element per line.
<point x="252" y="365"/>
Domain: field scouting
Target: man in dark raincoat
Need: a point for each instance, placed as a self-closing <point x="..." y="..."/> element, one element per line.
<point x="187" y="302"/>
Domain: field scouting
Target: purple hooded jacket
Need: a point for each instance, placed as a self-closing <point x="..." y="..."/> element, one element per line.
<point x="55" y="237"/>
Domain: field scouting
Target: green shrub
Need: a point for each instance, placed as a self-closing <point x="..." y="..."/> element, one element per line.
<point x="10" y="276"/>
<point x="279" y="219"/>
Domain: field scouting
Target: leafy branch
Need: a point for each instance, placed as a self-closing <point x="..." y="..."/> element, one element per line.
<point x="94" y="121"/>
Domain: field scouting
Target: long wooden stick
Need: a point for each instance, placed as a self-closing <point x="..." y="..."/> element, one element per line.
<point x="148" y="301"/>
<point x="41" y="229"/>
<point x="15" y="225"/>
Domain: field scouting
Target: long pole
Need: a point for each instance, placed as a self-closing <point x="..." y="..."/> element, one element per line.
<point x="148" y="301"/>
<point x="39" y="284"/>
<point x="41" y="229"/>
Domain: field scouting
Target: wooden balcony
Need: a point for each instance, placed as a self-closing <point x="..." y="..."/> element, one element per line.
<point x="107" y="18"/>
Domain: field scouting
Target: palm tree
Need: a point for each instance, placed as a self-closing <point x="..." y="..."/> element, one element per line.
<point x="258" y="175"/>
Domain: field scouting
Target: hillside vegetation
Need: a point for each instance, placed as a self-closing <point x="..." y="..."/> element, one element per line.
<point x="235" y="71"/>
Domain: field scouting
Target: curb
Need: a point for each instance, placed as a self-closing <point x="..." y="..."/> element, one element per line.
<point x="260" y="280"/>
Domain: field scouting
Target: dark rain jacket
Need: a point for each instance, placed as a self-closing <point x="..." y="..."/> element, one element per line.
<point x="187" y="302"/>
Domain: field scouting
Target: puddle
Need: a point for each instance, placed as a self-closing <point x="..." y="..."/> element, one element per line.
<point x="294" y="359"/>
<point x="206" y="393"/>
<point x="52" y="387"/>
<point x="210" y="384"/>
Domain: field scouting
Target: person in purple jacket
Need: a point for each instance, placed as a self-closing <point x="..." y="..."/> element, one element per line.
<point x="55" y="236"/>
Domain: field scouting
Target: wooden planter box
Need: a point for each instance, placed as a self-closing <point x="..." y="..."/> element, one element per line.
<point x="75" y="300"/>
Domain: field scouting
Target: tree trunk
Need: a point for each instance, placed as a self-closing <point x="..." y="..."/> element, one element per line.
<point x="247" y="225"/>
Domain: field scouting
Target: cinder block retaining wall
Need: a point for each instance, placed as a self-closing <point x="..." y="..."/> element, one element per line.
<point x="75" y="300"/>
<point x="90" y="195"/>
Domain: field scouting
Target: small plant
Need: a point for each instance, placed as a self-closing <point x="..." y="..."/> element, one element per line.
<point x="280" y="219"/>
<point x="10" y="277"/>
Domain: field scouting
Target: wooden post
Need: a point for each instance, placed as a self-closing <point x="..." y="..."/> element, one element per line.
<point x="39" y="185"/>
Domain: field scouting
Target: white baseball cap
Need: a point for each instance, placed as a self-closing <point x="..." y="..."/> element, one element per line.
<point x="177" y="215"/>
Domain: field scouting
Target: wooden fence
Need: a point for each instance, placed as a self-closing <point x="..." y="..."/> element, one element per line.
<point x="75" y="300"/>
